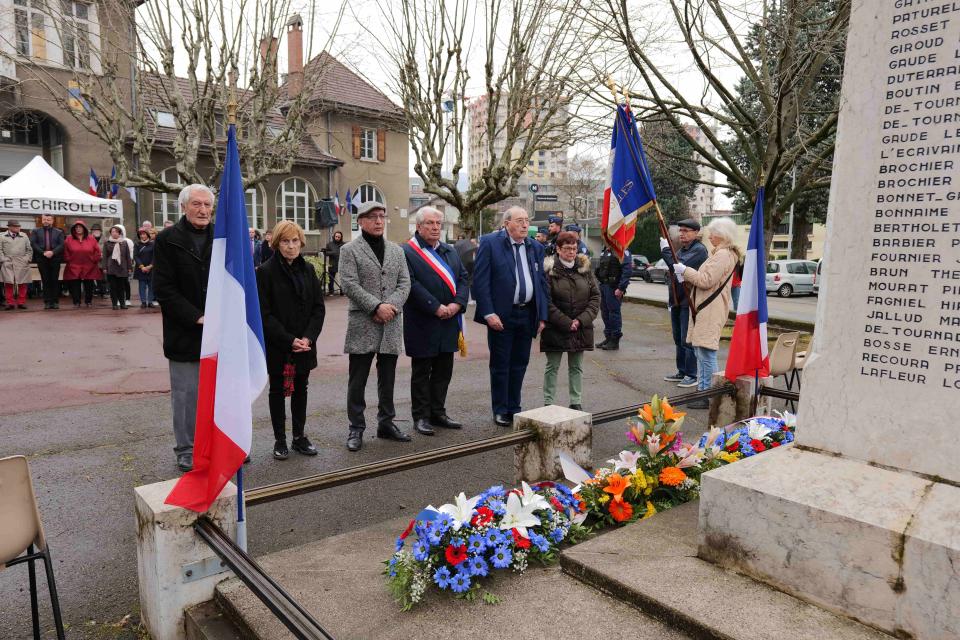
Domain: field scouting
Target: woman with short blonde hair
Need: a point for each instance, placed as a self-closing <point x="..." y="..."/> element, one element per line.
<point x="287" y="229"/>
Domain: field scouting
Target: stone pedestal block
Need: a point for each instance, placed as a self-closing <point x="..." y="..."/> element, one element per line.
<point x="171" y="558"/>
<point x="880" y="546"/>
<point x="558" y="429"/>
<point x="726" y="409"/>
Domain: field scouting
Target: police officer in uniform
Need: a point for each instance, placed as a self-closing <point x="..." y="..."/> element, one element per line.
<point x="614" y="277"/>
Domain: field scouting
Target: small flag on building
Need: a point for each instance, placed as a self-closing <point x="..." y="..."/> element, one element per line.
<point x="346" y="203"/>
<point x="336" y="203"/>
<point x="94" y="183"/>
<point x="114" y="187"/>
<point x="356" y="202"/>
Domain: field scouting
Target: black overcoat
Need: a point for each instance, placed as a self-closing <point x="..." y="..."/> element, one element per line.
<point x="424" y="334"/>
<point x="290" y="308"/>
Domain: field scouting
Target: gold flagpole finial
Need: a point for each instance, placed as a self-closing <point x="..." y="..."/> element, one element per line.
<point x="613" y="87"/>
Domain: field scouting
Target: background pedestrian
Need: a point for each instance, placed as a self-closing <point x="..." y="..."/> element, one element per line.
<point x="81" y="252"/>
<point x="613" y="275"/>
<point x="332" y="252"/>
<point x="143" y="266"/>
<point x="47" y="242"/>
<point x="692" y="253"/>
<point x="15" y="255"/>
<point x="118" y="265"/>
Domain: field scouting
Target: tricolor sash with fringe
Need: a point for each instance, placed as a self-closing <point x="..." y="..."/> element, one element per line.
<point x="446" y="275"/>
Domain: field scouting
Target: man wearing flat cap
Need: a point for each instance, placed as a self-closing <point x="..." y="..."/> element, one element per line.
<point x="374" y="277"/>
<point x="691" y="253"/>
<point x="15" y="254"/>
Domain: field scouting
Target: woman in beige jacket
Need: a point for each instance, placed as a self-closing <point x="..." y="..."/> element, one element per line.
<point x="710" y="298"/>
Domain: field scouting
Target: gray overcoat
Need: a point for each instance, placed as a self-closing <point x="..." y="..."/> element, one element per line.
<point x="367" y="284"/>
<point x="15" y="255"/>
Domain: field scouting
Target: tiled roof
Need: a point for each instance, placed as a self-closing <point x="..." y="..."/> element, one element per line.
<point x="155" y="99"/>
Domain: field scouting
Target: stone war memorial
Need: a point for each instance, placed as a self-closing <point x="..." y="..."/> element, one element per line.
<point x="862" y="516"/>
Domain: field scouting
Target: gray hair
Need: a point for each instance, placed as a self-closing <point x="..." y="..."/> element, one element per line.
<point x="508" y="214"/>
<point x="724" y="228"/>
<point x="423" y="211"/>
<point x="187" y="190"/>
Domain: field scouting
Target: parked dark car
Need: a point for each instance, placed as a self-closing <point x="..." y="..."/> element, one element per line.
<point x="640" y="264"/>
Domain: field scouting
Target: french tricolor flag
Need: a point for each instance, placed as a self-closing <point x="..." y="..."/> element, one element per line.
<point x="749" y="351"/>
<point x="233" y="368"/>
<point x="94" y="183"/>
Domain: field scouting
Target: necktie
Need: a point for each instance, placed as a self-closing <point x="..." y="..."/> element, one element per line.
<point x="522" y="296"/>
<point x="46" y="238"/>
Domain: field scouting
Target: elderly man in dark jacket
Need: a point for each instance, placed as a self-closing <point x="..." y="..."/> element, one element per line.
<point x="181" y="262"/>
<point x="47" y="243"/>
<point x="433" y="320"/>
<point x="692" y="253"/>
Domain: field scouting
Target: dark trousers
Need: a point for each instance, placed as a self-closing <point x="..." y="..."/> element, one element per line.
<point x="357" y="384"/>
<point x="610" y="311"/>
<point x="509" y="355"/>
<point x="332" y="275"/>
<point x="117" y="292"/>
<point x="49" y="269"/>
<point x="429" y="380"/>
<point x="298" y="405"/>
<point x="686" y="357"/>
<point x="87" y="291"/>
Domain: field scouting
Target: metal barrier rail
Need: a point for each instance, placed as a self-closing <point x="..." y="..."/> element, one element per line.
<point x="771" y="392"/>
<point x="613" y="415"/>
<point x="294" y="617"/>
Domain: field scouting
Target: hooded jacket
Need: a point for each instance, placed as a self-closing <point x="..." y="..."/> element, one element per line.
<point x="574" y="295"/>
<point x="82" y="256"/>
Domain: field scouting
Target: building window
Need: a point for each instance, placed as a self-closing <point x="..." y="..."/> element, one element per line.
<point x="165" y="206"/>
<point x="295" y="199"/>
<point x="255" y="202"/>
<point x="165" y="119"/>
<point x="29" y="24"/>
<point x="369" y="192"/>
<point x="76" y="34"/>
<point x="368" y="144"/>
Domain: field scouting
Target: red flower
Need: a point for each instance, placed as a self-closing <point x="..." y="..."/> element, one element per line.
<point x="757" y="445"/>
<point x="784" y="428"/>
<point x="733" y="446"/>
<point x="556" y="503"/>
<point x="406" y="532"/>
<point x="519" y="540"/>
<point x="774" y="444"/>
<point x="620" y="510"/>
<point x="545" y="483"/>
<point x="483" y="518"/>
<point x="456" y="555"/>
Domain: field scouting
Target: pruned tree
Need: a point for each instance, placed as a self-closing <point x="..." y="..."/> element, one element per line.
<point x="583" y="186"/>
<point x="794" y="46"/>
<point x="158" y="78"/>
<point x="521" y="103"/>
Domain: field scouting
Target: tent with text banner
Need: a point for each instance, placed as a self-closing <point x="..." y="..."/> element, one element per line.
<point x="38" y="189"/>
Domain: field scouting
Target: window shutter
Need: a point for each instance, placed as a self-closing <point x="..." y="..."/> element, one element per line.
<point x="382" y="145"/>
<point x="356" y="142"/>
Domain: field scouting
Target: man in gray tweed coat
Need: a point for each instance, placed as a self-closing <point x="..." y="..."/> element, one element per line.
<point x="373" y="274"/>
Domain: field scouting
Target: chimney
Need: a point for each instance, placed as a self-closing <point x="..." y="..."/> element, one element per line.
<point x="268" y="59"/>
<point x="294" y="56"/>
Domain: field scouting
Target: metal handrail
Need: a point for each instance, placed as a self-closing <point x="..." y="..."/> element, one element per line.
<point x="294" y="617"/>
<point x="613" y="415"/>
<point x="772" y="392"/>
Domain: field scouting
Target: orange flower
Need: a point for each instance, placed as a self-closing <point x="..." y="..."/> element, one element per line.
<point x="667" y="438"/>
<point x="646" y="414"/>
<point x="620" y="510"/>
<point x="672" y="476"/>
<point x="616" y="485"/>
<point x="668" y="412"/>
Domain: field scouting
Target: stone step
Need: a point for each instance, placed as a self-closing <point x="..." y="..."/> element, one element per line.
<point x="339" y="581"/>
<point x="206" y="621"/>
<point x="653" y="565"/>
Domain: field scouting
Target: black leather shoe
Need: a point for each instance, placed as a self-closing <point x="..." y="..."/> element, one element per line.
<point x="392" y="432"/>
<point x="422" y="426"/>
<point x="577" y="407"/>
<point x="355" y="439"/>
<point x="502" y="420"/>
<point x="444" y="421"/>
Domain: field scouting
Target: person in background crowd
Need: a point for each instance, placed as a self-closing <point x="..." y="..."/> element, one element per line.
<point x="373" y="275"/>
<point x="254" y="246"/>
<point x="692" y="253"/>
<point x="554" y="227"/>
<point x="266" y="250"/>
<point x="127" y="292"/>
<point x="47" y="242"/>
<point x="432" y="320"/>
<point x="710" y="299"/>
<point x="143" y="267"/>
<point x="291" y="306"/>
<point x="614" y="278"/>
<point x="118" y="265"/>
<point x="511" y="293"/>
<point x="181" y="266"/>
<point x="167" y="224"/>
<point x="100" y="285"/>
<point x="81" y="252"/>
<point x="146" y="224"/>
<point x="333" y="258"/>
<point x="15" y="255"/>
<point x="581" y="246"/>
<point x="735" y="285"/>
<point x="541" y="237"/>
<point x="574" y="303"/>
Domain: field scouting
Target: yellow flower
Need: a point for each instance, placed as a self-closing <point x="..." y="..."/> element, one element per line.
<point x="604" y="498"/>
<point x="651" y="510"/>
<point x="639" y="481"/>
<point x="728" y="457"/>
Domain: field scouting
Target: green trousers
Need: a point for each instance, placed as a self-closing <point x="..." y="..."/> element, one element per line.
<point x="574" y="374"/>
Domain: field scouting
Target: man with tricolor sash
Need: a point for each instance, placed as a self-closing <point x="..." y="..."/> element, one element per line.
<point x="433" y="323"/>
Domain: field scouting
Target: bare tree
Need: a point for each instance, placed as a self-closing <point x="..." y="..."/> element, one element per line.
<point x="586" y="176"/>
<point x="158" y="77"/>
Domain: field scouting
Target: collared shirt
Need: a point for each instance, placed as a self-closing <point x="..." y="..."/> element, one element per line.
<point x="525" y="269"/>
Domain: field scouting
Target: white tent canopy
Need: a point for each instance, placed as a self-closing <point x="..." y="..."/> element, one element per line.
<point x="38" y="189"/>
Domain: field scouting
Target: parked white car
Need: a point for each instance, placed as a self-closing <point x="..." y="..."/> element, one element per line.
<point x="818" y="279"/>
<point x="787" y="277"/>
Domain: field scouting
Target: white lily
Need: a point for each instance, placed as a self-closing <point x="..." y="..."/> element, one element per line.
<point x="518" y="516"/>
<point x="653" y="445"/>
<point x="789" y="419"/>
<point x="712" y="436"/>
<point x="692" y="457"/>
<point x="627" y="461"/>
<point x="462" y="511"/>
<point x="530" y="498"/>
<point x="757" y="431"/>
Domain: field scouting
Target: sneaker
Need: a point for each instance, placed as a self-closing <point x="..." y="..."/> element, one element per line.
<point x="674" y="377"/>
<point x="687" y="382"/>
<point x="280" y="451"/>
<point x="302" y="445"/>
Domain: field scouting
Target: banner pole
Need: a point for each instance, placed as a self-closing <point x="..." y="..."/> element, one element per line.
<point x="241" y="516"/>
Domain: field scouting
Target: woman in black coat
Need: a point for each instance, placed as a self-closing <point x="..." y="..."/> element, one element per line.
<point x="291" y="305"/>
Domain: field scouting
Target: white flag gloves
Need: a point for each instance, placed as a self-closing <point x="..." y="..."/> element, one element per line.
<point x="663" y="243"/>
<point x="678" y="269"/>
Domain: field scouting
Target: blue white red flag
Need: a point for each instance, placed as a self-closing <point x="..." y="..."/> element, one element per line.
<point x="114" y="187"/>
<point x="336" y="203"/>
<point x="749" y="350"/>
<point x="233" y="368"/>
<point x="630" y="192"/>
<point x="356" y="199"/>
<point x="93" y="183"/>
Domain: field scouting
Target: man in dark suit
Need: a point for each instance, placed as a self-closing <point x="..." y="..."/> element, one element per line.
<point x="511" y="293"/>
<point x="432" y="320"/>
<point x="47" y="242"/>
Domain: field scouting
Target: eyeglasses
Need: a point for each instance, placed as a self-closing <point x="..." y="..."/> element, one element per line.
<point x="374" y="217"/>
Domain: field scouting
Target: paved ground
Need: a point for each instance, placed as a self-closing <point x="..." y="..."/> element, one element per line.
<point x="87" y="399"/>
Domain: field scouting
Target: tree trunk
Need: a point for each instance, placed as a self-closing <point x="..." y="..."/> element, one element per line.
<point x="801" y="229"/>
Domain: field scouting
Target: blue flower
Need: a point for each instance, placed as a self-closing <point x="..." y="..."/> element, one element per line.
<point x="492" y="538"/>
<point x="557" y="535"/>
<point x="457" y="542"/>
<point x="478" y="566"/>
<point x="502" y="557"/>
<point x="435" y="537"/>
<point x="540" y="542"/>
<point x="398" y="545"/>
<point x="496" y="491"/>
<point x="460" y="582"/>
<point x="443" y="523"/>
<point x="421" y="551"/>
<point x="498" y="507"/>
<point x="476" y="543"/>
<point x="393" y="564"/>
<point x="442" y="577"/>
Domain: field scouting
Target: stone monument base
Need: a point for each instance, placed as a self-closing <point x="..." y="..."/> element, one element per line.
<point x="880" y="546"/>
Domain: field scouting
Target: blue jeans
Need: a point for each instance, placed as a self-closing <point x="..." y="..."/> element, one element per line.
<point x="735" y="294"/>
<point x="610" y="312"/>
<point x="686" y="358"/>
<point x="146" y="290"/>
<point x="706" y="366"/>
